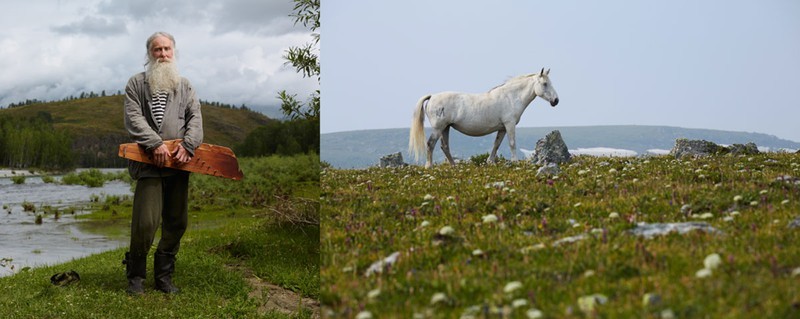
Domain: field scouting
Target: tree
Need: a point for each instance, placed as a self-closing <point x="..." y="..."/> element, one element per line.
<point x="306" y="61"/>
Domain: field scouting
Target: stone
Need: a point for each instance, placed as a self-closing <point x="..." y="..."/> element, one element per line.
<point x="746" y="149"/>
<point x="795" y="223"/>
<point x="551" y="169"/>
<point x="657" y="229"/>
<point x="393" y="160"/>
<point x="551" y="149"/>
<point x="695" y="148"/>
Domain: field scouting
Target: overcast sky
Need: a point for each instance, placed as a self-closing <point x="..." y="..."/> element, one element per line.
<point x="229" y="50"/>
<point x="729" y="65"/>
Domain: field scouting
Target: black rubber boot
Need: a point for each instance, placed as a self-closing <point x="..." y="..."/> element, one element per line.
<point x="164" y="267"/>
<point x="135" y="270"/>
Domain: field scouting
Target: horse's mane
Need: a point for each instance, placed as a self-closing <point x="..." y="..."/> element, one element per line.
<point x="514" y="79"/>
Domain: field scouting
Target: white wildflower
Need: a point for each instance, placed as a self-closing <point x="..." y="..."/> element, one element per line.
<point x="712" y="261"/>
<point x="784" y="202"/>
<point x="754" y="203"/>
<point x="588" y="303"/>
<point x="519" y="303"/>
<point x="706" y="216"/>
<point x="512" y="286"/>
<point x="477" y="252"/>
<point x="438" y="297"/>
<point x="734" y="213"/>
<point x="588" y="273"/>
<point x="796" y="272"/>
<point x="424" y="224"/>
<point x="703" y="273"/>
<point x="364" y="315"/>
<point x="491" y="218"/>
<point x="763" y="191"/>
<point x="446" y="231"/>
<point x="667" y="314"/>
<point x="374" y="293"/>
<point x="737" y="198"/>
<point x="534" y="314"/>
<point x="728" y="219"/>
<point x="613" y="215"/>
<point x="428" y="197"/>
<point x="577" y="205"/>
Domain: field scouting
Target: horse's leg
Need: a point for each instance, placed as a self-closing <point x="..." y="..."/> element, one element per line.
<point x="431" y="144"/>
<point x="446" y="145"/>
<point x="497" y="141"/>
<point x="512" y="140"/>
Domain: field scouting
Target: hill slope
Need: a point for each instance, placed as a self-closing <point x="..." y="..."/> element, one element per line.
<point x="358" y="149"/>
<point x="96" y="126"/>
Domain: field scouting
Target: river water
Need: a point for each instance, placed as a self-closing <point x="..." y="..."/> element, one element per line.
<point x="23" y="243"/>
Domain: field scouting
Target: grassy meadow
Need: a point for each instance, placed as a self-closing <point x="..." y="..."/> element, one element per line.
<point x="475" y="241"/>
<point x="242" y="236"/>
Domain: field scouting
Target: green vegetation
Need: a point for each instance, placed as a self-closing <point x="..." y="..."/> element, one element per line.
<point x="32" y="142"/>
<point x="86" y="132"/>
<point x="297" y="136"/>
<point x="93" y="178"/>
<point x="239" y="239"/>
<point x="18" y="179"/>
<point x="497" y="241"/>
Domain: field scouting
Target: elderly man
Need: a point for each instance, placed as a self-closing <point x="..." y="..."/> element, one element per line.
<point x="159" y="105"/>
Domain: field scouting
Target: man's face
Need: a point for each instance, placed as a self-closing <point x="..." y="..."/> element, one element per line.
<point x="161" y="49"/>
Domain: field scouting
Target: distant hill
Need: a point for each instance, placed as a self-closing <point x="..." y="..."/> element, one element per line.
<point x="358" y="149"/>
<point x="96" y="126"/>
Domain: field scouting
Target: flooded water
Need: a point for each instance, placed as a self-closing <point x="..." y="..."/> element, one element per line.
<point x="55" y="240"/>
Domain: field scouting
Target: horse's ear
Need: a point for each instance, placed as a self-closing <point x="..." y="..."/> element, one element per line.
<point x="542" y="72"/>
<point x="548" y="72"/>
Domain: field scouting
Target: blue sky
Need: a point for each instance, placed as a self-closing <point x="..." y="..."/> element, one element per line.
<point x="230" y="50"/>
<point x="728" y="65"/>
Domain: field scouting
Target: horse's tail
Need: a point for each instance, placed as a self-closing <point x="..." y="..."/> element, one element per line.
<point x="416" y="138"/>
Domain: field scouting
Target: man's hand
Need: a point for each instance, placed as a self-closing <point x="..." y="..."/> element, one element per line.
<point x="161" y="155"/>
<point x="181" y="155"/>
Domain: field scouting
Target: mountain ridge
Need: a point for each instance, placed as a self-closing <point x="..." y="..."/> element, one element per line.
<point x="363" y="148"/>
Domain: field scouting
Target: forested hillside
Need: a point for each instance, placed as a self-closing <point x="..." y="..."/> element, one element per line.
<point x="86" y="132"/>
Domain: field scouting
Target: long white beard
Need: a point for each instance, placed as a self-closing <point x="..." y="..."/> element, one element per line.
<point x="162" y="76"/>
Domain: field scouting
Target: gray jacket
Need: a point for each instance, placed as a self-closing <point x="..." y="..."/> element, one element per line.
<point x="182" y="120"/>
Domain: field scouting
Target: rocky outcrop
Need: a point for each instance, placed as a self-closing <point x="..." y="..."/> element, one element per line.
<point x="551" y="149"/>
<point x="393" y="160"/>
<point x="697" y="148"/>
<point x="551" y="169"/>
<point x="744" y="149"/>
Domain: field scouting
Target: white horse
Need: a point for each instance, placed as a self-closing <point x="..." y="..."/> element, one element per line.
<point x="498" y="111"/>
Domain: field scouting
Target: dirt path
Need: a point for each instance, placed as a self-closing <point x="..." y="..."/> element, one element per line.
<point x="275" y="298"/>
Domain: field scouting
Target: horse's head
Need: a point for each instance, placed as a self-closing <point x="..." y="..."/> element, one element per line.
<point x="544" y="88"/>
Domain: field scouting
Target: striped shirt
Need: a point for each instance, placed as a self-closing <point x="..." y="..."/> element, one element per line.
<point x="158" y="105"/>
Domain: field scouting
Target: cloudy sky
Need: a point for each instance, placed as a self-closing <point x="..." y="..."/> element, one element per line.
<point x="720" y="64"/>
<point x="230" y="50"/>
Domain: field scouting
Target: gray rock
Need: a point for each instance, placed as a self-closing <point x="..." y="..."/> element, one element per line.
<point x="393" y="160"/>
<point x="746" y="149"/>
<point x="551" y="149"/>
<point x="658" y="229"/>
<point x="551" y="169"/>
<point x="695" y="148"/>
<point x="795" y="223"/>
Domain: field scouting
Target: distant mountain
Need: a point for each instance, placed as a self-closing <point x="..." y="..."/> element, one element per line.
<point x="359" y="149"/>
<point x="96" y="126"/>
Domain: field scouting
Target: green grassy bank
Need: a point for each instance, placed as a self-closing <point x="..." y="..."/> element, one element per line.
<point x="497" y="241"/>
<point x="225" y="250"/>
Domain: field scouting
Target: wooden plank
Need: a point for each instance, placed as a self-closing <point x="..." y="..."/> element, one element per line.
<point x="208" y="159"/>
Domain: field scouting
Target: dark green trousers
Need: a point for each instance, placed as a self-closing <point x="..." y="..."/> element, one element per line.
<point x="159" y="201"/>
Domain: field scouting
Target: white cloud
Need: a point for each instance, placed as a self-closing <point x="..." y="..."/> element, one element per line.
<point x="231" y="51"/>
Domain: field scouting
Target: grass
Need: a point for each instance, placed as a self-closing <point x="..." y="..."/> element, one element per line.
<point x="225" y="247"/>
<point x="369" y="214"/>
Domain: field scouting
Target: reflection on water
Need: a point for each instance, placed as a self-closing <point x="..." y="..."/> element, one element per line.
<point x="55" y="240"/>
